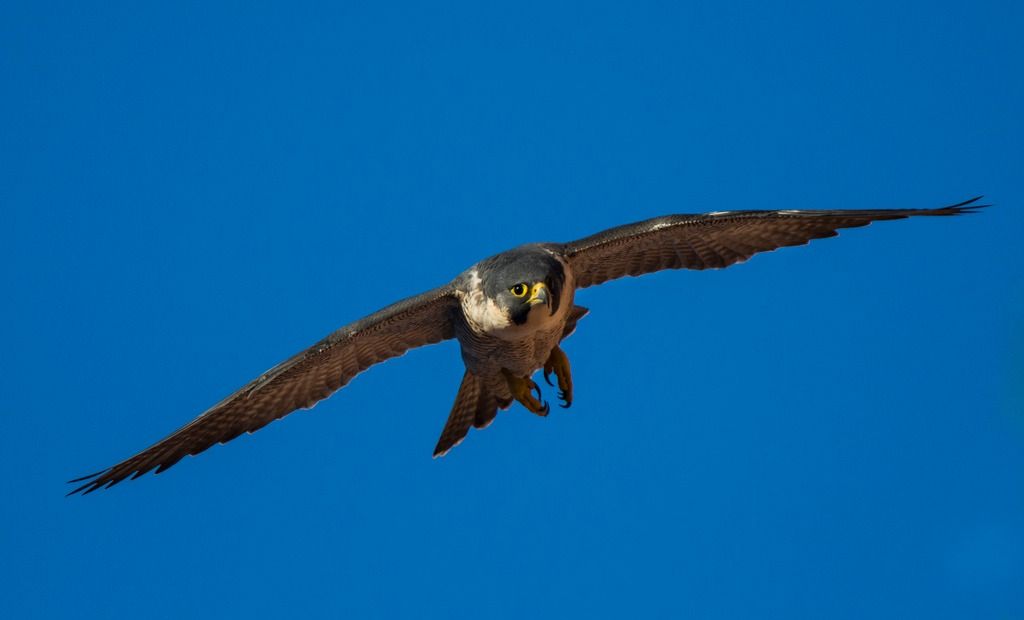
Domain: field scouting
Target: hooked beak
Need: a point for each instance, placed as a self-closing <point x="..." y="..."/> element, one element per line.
<point x="539" y="294"/>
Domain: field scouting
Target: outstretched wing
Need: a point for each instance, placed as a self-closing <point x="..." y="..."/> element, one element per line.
<point x="715" y="240"/>
<point x="298" y="382"/>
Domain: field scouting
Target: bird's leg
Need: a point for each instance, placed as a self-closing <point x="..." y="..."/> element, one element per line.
<point x="522" y="389"/>
<point x="558" y="363"/>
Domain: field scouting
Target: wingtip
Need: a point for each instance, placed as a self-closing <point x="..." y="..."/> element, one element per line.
<point x="85" y="489"/>
<point x="92" y="482"/>
<point x="967" y="206"/>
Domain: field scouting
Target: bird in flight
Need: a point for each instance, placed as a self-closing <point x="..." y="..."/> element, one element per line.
<point x="509" y="312"/>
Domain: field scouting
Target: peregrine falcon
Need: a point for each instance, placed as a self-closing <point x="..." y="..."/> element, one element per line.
<point x="509" y="312"/>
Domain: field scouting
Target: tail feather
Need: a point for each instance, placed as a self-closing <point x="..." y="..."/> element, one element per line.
<point x="474" y="406"/>
<point x="487" y="409"/>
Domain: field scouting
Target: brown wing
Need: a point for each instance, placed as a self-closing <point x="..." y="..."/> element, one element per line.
<point x="715" y="240"/>
<point x="299" y="382"/>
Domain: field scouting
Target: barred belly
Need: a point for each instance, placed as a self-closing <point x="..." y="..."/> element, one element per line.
<point x="486" y="356"/>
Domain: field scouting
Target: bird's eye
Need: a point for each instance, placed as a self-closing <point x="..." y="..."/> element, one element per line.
<point x="519" y="290"/>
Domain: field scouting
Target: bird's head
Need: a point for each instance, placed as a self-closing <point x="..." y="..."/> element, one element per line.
<point x="523" y="282"/>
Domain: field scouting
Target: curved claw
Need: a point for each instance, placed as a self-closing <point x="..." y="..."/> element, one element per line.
<point x="527" y="393"/>
<point x="535" y="389"/>
<point x="547" y="375"/>
<point x="558" y="363"/>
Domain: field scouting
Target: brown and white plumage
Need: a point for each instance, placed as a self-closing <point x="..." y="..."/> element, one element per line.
<point x="299" y="382"/>
<point x="476" y="308"/>
<point x="718" y="239"/>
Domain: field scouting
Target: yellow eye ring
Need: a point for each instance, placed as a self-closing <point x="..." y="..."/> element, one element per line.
<point x="519" y="290"/>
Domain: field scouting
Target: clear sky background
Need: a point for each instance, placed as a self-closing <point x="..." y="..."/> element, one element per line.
<point x="191" y="192"/>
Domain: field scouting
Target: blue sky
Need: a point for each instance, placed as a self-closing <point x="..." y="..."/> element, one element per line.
<point x="192" y="192"/>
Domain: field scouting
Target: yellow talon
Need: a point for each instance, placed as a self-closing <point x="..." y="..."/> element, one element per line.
<point x="558" y="363"/>
<point x="522" y="389"/>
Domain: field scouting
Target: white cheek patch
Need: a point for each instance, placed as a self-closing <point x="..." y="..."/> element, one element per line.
<point x="492" y="316"/>
<point x="482" y="313"/>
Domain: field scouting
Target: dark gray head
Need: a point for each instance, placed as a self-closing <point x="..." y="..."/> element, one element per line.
<point x="521" y="280"/>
